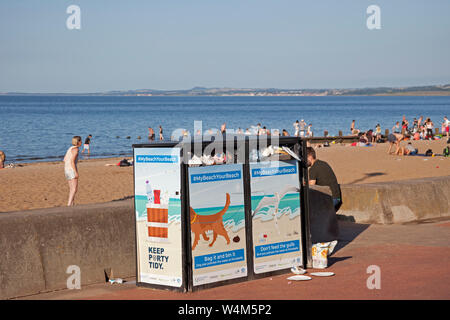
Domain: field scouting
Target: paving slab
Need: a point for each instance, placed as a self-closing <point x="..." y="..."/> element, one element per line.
<point x="414" y="262"/>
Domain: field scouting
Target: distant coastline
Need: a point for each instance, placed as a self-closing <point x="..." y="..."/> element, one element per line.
<point x="432" y="90"/>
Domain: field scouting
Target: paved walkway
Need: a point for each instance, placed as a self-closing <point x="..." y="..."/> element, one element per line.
<point x="414" y="260"/>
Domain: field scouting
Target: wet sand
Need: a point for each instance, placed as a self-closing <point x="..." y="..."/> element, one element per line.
<point x="43" y="185"/>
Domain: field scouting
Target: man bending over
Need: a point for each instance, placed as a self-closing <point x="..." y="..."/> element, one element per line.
<point x="321" y="174"/>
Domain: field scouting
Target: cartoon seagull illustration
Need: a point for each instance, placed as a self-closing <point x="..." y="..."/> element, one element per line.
<point x="275" y="201"/>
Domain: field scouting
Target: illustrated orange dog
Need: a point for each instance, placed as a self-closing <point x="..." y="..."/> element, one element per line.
<point x="200" y="224"/>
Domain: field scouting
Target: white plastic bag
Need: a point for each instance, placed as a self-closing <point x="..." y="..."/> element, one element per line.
<point x="320" y="253"/>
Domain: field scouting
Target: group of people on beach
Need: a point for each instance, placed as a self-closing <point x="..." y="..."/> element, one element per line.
<point x="301" y="129"/>
<point x="419" y="130"/>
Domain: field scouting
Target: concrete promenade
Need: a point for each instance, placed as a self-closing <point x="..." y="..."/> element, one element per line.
<point x="414" y="260"/>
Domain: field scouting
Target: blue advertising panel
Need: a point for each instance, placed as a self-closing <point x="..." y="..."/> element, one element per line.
<point x="276" y="222"/>
<point x="217" y="223"/>
<point x="158" y="216"/>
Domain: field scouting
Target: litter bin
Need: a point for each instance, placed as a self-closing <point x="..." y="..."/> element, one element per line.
<point x="218" y="211"/>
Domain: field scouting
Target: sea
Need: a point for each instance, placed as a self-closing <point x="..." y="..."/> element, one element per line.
<point x="40" y="128"/>
<point x="234" y="218"/>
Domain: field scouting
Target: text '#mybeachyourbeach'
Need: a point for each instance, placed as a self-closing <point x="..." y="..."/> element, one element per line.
<point x="216" y="176"/>
<point x="157" y="159"/>
<point x="262" y="172"/>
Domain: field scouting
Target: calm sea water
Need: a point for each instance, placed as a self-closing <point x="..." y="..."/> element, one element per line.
<point x="39" y="128"/>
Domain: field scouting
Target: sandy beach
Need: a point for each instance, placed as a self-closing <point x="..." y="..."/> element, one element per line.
<point x="43" y="185"/>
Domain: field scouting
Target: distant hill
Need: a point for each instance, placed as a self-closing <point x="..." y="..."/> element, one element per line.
<point x="439" y="90"/>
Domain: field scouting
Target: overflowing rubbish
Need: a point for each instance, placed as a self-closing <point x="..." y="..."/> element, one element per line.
<point x="322" y="274"/>
<point x="118" y="280"/>
<point x="268" y="153"/>
<point x="298" y="270"/>
<point x="299" y="278"/>
<point x="320" y="252"/>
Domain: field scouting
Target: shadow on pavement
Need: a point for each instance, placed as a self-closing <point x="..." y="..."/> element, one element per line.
<point x="333" y="260"/>
<point x="348" y="231"/>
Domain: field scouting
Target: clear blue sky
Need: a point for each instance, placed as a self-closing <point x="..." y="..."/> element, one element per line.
<point x="179" y="44"/>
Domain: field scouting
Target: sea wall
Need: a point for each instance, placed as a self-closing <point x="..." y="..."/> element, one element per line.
<point x="38" y="246"/>
<point x="397" y="201"/>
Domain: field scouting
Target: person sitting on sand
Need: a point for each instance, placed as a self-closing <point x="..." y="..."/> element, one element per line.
<point x="2" y="159"/>
<point x="370" y="136"/>
<point x="70" y="168"/>
<point x="285" y="133"/>
<point x="378" y="133"/>
<point x="410" y="150"/>
<point x="394" y="138"/>
<point x="363" y="138"/>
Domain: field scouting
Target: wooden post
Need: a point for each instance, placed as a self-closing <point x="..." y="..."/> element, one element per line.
<point x="325" y="133"/>
<point x="340" y="133"/>
<point x="386" y="132"/>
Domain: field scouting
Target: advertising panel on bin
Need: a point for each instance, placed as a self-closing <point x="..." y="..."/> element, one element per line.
<point x="158" y="216"/>
<point x="217" y="221"/>
<point x="276" y="222"/>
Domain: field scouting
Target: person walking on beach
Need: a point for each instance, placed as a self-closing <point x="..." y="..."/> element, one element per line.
<point x="161" y="137"/>
<point x="71" y="170"/>
<point x="302" y="125"/>
<point x="2" y="159"/>
<point x="309" y="131"/>
<point x="296" y="128"/>
<point x="87" y="143"/>
<point x="419" y="122"/>
<point x="447" y="127"/>
<point x="405" y="124"/>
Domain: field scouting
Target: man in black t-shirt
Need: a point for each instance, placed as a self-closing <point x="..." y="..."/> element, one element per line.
<point x="321" y="174"/>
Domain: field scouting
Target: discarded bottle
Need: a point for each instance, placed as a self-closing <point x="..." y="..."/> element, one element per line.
<point x="149" y="191"/>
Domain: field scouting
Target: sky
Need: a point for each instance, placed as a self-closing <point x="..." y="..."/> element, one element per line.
<point x="180" y="44"/>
